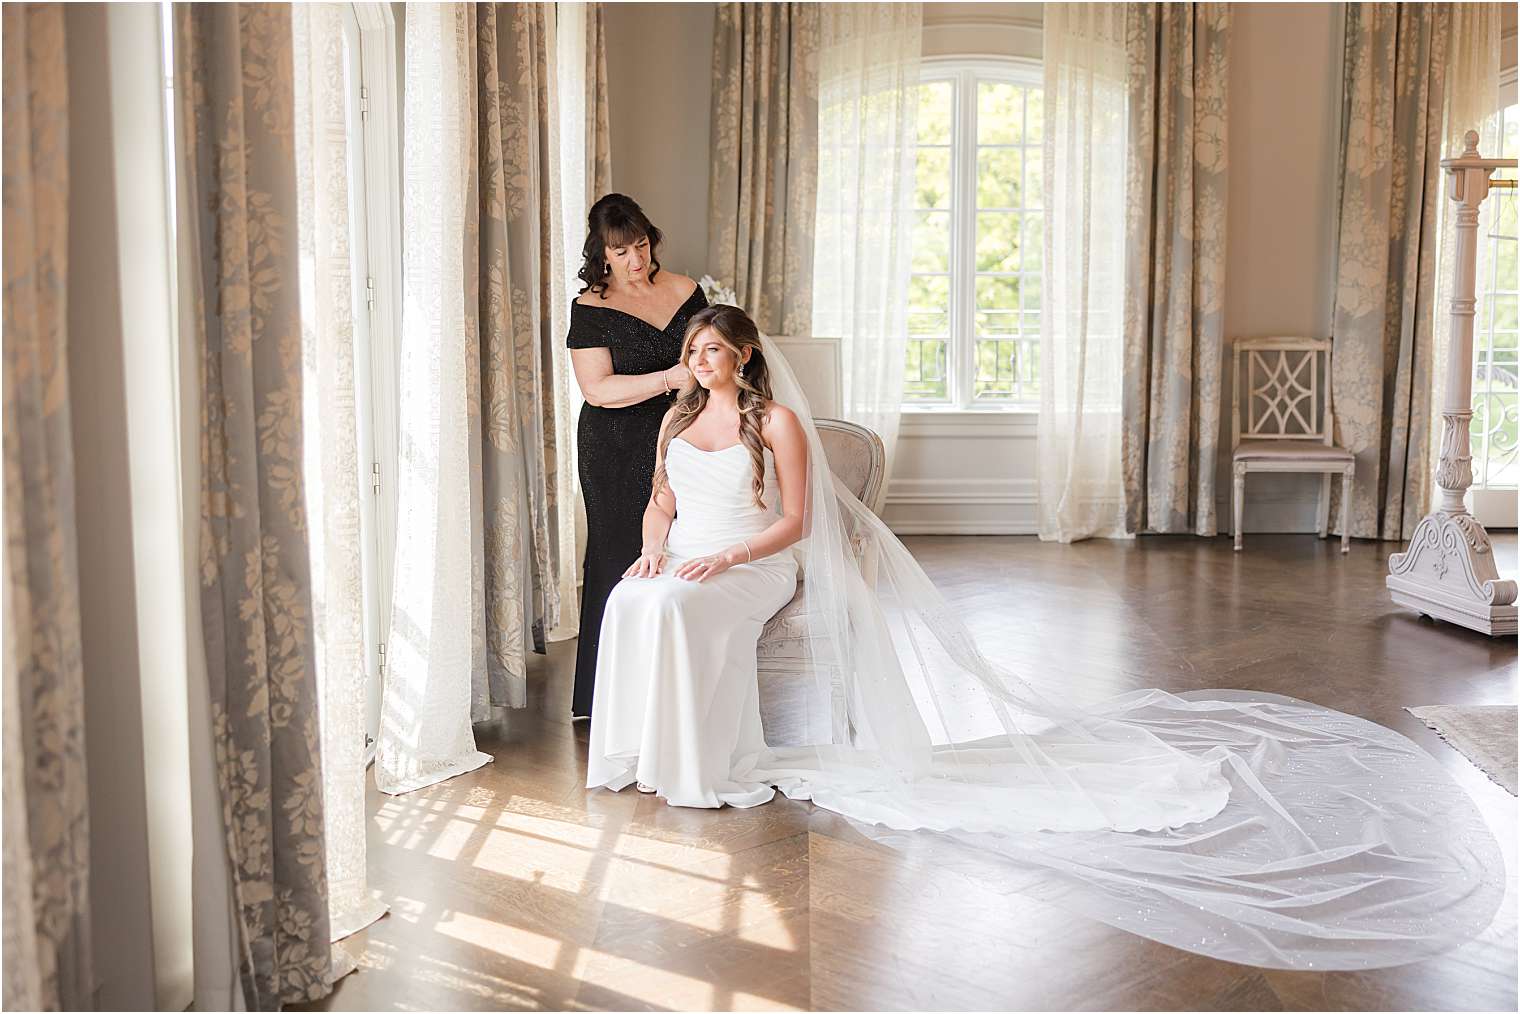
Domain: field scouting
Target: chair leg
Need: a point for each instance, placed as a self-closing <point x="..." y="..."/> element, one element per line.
<point x="1239" y="506"/>
<point x="1324" y="505"/>
<point x="1346" y="478"/>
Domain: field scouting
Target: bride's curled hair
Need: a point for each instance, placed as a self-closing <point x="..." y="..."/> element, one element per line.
<point x="731" y="326"/>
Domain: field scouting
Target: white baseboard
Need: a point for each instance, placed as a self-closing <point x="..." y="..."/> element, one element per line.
<point x="1011" y="507"/>
<point x="965" y="527"/>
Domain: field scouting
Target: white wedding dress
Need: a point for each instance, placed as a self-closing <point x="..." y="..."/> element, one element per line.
<point x="1247" y="826"/>
<point x="677" y="704"/>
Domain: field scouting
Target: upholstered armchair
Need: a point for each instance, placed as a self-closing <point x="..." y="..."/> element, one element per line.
<point x="786" y="667"/>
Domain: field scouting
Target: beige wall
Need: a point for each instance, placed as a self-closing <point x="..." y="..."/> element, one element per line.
<point x="659" y="71"/>
<point x="1285" y="81"/>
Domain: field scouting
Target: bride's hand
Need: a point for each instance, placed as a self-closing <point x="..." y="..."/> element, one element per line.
<point x="703" y="567"/>
<point x="649" y="563"/>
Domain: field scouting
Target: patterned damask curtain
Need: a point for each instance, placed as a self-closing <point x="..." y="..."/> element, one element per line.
<point x="234" y="81"/>
<point x="46" y="849"/>
<point x="762" y="190"/>
<point x="598" y="120"/>
<point x="513" y="280"/>
<point x="1396" y="62"/>
<point x="1176" y="181"/>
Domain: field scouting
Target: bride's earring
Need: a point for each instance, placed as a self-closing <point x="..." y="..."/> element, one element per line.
<point x="741" y="371"/>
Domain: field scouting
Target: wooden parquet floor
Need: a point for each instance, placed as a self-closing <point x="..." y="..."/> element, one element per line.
<point x="513" y="888"/>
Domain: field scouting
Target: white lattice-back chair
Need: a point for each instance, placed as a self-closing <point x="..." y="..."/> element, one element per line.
<point x="1289" y="422"/>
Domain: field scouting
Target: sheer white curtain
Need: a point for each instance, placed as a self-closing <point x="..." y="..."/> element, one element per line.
<point x="331" y="438"/>
<point x="868" y="67"/>
<point x="1472" y="103"/>
<point x="425" y="731"/>
<point x="1080" y="455"/>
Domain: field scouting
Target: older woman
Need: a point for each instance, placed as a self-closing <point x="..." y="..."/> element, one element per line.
<point x="626" y="331"/>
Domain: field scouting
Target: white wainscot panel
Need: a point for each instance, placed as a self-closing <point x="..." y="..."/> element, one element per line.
<point x="964" y="473"/>
<point x="973" y="473"/>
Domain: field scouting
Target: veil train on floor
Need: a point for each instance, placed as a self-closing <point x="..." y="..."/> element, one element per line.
<point x="1247" y="826"/>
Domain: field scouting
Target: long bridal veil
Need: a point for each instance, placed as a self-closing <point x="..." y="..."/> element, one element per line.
<point x="1246" y="826"/>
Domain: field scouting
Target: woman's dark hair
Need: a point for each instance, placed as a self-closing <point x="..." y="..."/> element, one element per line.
<point x="614" y="220"/>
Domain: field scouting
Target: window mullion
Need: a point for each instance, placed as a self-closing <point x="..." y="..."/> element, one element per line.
<point x="963" y="317"/>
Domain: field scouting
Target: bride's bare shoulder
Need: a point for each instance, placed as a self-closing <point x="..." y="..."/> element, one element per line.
<point x="781" y="421"/>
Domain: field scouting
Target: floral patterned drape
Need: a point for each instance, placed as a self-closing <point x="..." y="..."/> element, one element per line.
<point x="517" y="266"/>
<point x="598" y="119"/>
<point x="46" y="849"/>
<point x="763" y="186"/>
<point x="1396" y="61"/>
<point x="1176" y="180"/>
<point x="234" y="82"/>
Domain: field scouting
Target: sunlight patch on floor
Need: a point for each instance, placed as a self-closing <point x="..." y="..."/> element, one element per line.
<point x="509" y="941"/>
<point x="657" y="987"/>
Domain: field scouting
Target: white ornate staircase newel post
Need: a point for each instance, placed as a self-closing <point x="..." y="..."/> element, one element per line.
<point x="1448" y="571"/>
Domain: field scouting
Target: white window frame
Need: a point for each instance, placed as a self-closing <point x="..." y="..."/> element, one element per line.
<point x="1491" y="504"/>
<point x="961" y="359"/>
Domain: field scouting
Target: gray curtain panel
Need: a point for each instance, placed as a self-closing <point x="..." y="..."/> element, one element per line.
<point x="598" y="120"/>
<point x="234" y="83"/>
<point x="763" y="186"/>
<point x="510" y="355"/>
<point x="1176" y="178"/>
<point x="47" y="855"/>
<point x="1396" y="61"/>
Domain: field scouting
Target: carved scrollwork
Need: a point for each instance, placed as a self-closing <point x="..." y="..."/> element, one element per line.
<point x="1454" y="473"/>
<point x="1447" y="543"/>
<point x="1473" y="532"/>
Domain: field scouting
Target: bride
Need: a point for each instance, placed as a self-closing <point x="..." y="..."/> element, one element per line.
<point x="1247" y="826"/>
<point x="680" y="708"/>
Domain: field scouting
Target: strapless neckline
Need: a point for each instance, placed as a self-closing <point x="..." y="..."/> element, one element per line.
<point x="703" y="450"/>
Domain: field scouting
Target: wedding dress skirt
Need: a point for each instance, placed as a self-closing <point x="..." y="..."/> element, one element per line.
<point x="1243" y="825"/>
<point x="677" y="701"/>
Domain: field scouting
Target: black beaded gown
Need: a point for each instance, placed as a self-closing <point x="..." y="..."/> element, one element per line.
<point x="616" y="449"/>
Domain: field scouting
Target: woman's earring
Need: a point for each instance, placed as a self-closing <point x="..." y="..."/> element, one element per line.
<point x="741" y="371"/>
<point x="606" y="269"/>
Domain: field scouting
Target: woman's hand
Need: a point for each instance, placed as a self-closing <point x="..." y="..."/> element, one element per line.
<point x="650" y="562"/>
<point x="703" y="567"/>
<point x="677" y="376"/>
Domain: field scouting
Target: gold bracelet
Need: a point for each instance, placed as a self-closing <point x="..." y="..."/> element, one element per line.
<point x="749" y="554"/>
<point x="665" y="376"/>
